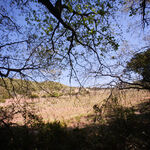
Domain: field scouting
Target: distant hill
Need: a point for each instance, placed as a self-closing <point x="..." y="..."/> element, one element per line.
<point x="31" y="89"/>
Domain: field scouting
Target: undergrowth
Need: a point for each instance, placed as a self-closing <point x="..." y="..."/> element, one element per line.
<point x="124" y="130"/>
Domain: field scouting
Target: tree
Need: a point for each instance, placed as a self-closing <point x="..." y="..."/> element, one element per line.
<point x="50" y="33"/>
<point x="140" y="63"/>
<point x="138" y="7"/>
<point x="40" y="38"/>
<point x="59" y="34"/>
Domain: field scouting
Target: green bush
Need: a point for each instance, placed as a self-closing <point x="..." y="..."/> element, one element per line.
<point x="33" y="96"/>
<point x="2" y="100"/>
<point x="4" y="94"/>
<point x="123" y="112"/>
<point x="55" y="94"/>
<point x="44" y="96"/>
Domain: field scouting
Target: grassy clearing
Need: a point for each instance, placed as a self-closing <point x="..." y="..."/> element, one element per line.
<point x="76" y="110"/>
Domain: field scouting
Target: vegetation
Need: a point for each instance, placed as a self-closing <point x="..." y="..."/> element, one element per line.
<point x="33" y="96"/>
<point x="4" y="94"/>
<point x="46" y="41"/>
<point x="140" y="64"/>
<point x="42" y="40"/>
<point x="11" y="88"/>
<point x="14" y="87"/>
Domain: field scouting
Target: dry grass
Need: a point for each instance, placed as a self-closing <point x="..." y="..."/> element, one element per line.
<point x="73" y="110"/>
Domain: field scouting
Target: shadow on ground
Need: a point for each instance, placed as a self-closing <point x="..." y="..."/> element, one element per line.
<point x="120" y="133"/>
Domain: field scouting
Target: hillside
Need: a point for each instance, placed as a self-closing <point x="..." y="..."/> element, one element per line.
<point x="10" y="88"/>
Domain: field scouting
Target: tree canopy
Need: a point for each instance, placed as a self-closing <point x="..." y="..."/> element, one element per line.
<point x="41" y="37"/>
<point x="140" y="63"/>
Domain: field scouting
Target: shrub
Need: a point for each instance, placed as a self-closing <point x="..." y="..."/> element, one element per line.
<point x="2" y="100"/>
<point x="44" y="96"/>
<point x="55" y="94"/>
<point x="123" y="112"/>
<point x="33" y="96"/>
<point x="4" y="94"/>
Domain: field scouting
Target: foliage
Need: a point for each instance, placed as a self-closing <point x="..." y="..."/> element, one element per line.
<point x="46" y="41"/>
<point x="4" y="94"/>
<point x="33" y="96"/>
<point x="2" y="100"/>
<point x="61" y="34"/>
<point x="55" y="94"/>
<point x="140" y="64"/>
<point x="17" y="86"/>
<point x="41" y="38"/>
<point x="10" y="88"/>
<point x="51" y="86"/>
<point x="140" y="7"/>
<point x="121" y="112"/>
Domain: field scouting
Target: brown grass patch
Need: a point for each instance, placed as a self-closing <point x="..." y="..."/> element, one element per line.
<point x="74" y="110"/>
